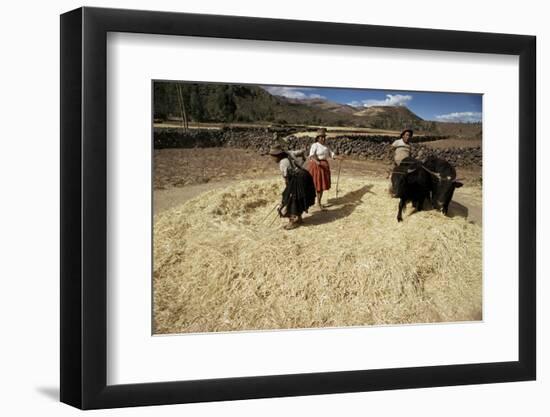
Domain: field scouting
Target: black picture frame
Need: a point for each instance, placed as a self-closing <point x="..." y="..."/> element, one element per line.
<point x="84" y="207"/>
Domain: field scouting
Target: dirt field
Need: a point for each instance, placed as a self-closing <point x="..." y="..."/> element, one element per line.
<point x="339" y="131"/>
<point x="454" y="143"/>
<point x="222" y="261"/>
<point x="183" y="167"/>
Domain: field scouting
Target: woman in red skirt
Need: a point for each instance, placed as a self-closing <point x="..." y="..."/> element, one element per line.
<point x="318" y="165"/>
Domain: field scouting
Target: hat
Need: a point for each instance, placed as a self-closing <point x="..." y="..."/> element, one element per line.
<point x="406" y="130"/>
<point x="276" y="150"/>
<point x="322" y="132"/>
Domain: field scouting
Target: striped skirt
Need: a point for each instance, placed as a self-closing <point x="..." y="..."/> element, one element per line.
<point x="321" y="175"/>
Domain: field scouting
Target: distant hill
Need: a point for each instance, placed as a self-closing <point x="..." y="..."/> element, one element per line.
<point x="228" y="103"/>
<point x="323" y="104"/>
<point x="386" y="117"/>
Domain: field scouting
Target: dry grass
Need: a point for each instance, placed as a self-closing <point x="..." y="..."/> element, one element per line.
<point x="217" y="267"/>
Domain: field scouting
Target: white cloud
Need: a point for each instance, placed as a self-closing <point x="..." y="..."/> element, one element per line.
<point x="460" y="117"/>
<point x="292" y="92"/>
<point x="391" y="100"/>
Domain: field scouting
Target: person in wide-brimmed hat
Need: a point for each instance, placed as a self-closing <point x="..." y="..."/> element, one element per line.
<point x="318" y="165"/>
<point x="405" y="131"/>
<point x="402" y="146"/>
<point x="299" y="192"/>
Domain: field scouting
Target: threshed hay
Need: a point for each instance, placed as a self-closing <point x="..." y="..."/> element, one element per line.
<point x="218" y="267"/>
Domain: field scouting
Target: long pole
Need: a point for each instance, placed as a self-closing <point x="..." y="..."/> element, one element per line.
<point x="338" y="179"/>
<point x="270" y="211"/>
<point x="272" y="221"/>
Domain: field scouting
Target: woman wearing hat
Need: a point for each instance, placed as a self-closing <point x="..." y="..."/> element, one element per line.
<point x="299" y="193"/>
<point x="318" y="165"/>
<point x="402" y="146"/>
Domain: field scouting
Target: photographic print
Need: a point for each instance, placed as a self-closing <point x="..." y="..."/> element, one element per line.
<point x="289" y="207"/>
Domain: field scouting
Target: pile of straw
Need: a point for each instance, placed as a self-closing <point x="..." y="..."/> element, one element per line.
<point x="219" y="267"/>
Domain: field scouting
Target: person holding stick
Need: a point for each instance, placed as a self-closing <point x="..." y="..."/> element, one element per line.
<point x="299" y="192"/>
<point x="318" y="165"/>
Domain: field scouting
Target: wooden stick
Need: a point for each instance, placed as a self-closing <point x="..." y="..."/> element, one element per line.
<point x="338" y="179"/>
<point x="270" y="211"/>
<point x="272" y="221"/>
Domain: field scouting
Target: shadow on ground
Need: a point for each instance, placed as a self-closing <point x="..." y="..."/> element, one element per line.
<point x="338" y="208"/>
<point x="49" y="392"/>
<point x="457" y="209"/>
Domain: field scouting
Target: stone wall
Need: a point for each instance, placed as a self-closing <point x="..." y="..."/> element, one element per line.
<point x="373" y="147"/>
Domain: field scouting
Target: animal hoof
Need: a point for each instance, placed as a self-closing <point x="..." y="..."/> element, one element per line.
<point x="399" y="219"/>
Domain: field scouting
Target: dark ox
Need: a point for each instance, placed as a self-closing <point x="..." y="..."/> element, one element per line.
<point x="410" y="182"/>
<point x="444" y="182"/>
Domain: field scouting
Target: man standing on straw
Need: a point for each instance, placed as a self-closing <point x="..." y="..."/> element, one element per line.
<point x="318" y="165"/>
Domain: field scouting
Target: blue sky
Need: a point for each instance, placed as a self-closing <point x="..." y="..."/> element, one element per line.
<point x="443" y="107"/>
